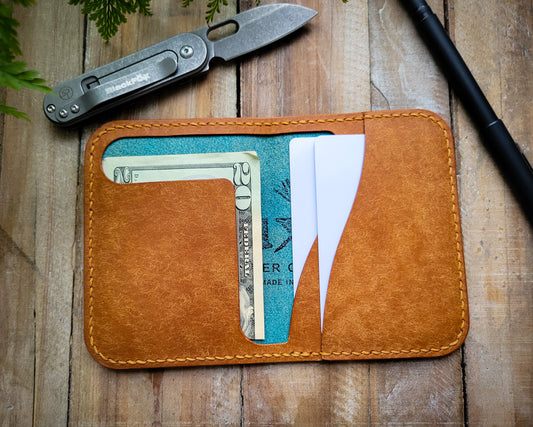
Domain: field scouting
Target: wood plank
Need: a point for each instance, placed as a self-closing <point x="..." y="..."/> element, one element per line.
<point x="38" y="190"/>
<point x="404" y="75"/>
<point x="325" y="69"/>
<point x="17" y="335"/>
<point x="306" y="394"/>
<point x="494" y="39"/>
<point x="410" y="392"/>
<point x="180" y="396"/>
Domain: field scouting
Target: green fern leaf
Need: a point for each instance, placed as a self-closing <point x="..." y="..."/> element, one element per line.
<point x="12" y="111"/>
<point x="16" y="76"/>
<point x="110" y="14"/>
<point x="213" y="7"/>
<point x="9" y="45"/>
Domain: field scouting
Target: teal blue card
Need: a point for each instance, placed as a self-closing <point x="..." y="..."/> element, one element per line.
<point x="273" y="153"/>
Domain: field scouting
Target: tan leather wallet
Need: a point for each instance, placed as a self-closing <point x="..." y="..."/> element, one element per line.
<point x="161" y="276"/>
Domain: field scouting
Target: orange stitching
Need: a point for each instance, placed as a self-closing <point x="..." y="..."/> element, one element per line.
<point x="297" y="354"/>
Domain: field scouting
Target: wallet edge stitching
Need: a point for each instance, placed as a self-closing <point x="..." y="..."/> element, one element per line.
<point x="298" y="354"/>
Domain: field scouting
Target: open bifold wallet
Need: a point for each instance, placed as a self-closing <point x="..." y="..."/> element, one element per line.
<point x="237" y="241"/>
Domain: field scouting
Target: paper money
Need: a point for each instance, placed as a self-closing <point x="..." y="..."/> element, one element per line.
<point x="242" y="169"/>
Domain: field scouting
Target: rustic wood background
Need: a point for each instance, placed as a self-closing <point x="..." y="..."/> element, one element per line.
<point x="359" y="56"/>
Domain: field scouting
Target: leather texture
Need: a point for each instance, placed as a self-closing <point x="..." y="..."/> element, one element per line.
<point x="161" y="277"/>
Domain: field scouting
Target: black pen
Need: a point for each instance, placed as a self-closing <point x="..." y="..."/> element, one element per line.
<point x="512" y="163"/>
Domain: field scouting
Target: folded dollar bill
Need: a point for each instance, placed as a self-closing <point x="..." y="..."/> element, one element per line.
<point x="242" y="169"/>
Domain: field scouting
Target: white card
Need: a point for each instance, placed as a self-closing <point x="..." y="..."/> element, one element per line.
<point x="338" y="167"/>
<point x="325" y="174"/>
<point x="303" y="202"/>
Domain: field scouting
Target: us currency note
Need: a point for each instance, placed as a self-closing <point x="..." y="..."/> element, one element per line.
<point x="242" y="169"/>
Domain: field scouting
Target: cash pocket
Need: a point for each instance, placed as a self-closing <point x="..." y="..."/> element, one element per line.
<point x="162" y="277"/>
<point x="242" y="169"/>
<point x="161" y="270"/>
<point x="265" y="240"/>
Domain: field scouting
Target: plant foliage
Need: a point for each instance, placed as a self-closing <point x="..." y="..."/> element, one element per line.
<point x="109" y="14"/>
<point x="213" y="7"/>
<point x="14" y="74"/>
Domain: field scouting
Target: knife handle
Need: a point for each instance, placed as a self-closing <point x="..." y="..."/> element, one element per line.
<point x="125" y="79"/>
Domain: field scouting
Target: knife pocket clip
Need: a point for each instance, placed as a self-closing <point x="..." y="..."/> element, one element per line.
<point x="118" y="84"/>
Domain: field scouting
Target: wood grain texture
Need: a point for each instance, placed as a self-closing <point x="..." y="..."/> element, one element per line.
<point x="402" y="70"/>
<point x="37" y="216"/>
<point x="17" y="345"/>
<point x="324" y="69"/>
<point x="495" y="40"/>
<point x="352" y="57"/>
<point x="306" y="394"/>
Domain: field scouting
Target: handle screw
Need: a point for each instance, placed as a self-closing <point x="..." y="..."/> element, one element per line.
<point x="63" y="113"/>
<point x="50" y="108"/>
<point x="186" y="52"/>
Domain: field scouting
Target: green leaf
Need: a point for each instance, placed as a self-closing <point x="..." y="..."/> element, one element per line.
<point x="15" y="67"/>
<point x="213" y="7"/>
<point x="12" y="111"/>
<point x="25" y="3"/>
<point x="9" y="45"/>
<point x="110" y="14"/>
<point x="16" y="76"/>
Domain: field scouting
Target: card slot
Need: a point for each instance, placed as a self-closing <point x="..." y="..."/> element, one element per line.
<point x="397" y="287"/>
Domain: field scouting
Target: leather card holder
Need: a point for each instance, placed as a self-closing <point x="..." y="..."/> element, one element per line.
<point x="160" y="258"/>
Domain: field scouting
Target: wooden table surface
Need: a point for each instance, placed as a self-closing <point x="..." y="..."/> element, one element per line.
<point x="359" y="56"/>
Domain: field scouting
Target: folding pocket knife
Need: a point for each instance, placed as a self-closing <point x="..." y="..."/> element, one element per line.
<point x="180" y="57"/>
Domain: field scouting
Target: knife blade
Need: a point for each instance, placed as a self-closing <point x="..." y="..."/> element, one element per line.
<point x="178" y="58"/>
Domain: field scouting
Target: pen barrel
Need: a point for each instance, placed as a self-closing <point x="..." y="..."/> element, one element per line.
<point x="513" y="165"/>
<point x="511" y="161"/>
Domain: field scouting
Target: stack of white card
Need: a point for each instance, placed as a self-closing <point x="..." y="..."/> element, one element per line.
<point x="325" y="173"/>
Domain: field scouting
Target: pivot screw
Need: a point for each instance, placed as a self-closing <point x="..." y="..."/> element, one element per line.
<point x="186" y="52"/>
